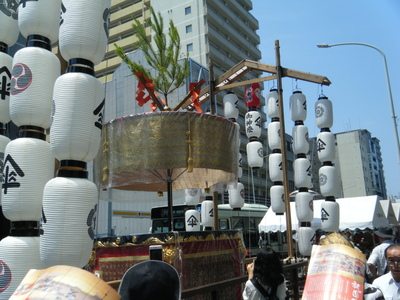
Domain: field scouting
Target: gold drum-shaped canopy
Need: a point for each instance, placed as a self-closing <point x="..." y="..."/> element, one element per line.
<point x="139" y="151"/>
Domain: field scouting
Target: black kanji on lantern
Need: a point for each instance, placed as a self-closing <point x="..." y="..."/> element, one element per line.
<point x="91" y="222"/>
<point x="11" y="173"/>
<point x="106" y="19"/>
<point x="99" y="112"/>
<point x="5" y="82"/>
<point x="63" y="10"/>
<point x="321" y="145"/>
<point x="192" y="221"/>
<point x="324" y="215"/>
<point x="23" y="2"/>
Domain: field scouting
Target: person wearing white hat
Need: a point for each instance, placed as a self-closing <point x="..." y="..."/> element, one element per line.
<point x="377" y="261"/>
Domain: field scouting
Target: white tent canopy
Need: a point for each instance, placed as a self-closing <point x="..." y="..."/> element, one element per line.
<point x="356" y="212"/>
<point x="388" y="209"/>
<point x="396" y="209"/>
<point x="274" y="223"/>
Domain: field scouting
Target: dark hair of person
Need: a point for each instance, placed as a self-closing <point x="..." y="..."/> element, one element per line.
<point x="268" y="268"/>
<point x="392" y="246"/>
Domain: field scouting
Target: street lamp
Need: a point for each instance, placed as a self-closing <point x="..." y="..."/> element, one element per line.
<point x="387" y="83"/>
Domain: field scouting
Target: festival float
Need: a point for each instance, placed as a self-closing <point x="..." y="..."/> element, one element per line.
<point x="164" y="150"/>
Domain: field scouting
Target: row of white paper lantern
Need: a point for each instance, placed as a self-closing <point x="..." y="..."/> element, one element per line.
<point x="29" y="163"/>
<point x="327" y="173"/>
<point x="302" y="174"/>
<point x="70" y="199"/>
<point x="275" y="158"/>
<point x="235" y="189"/>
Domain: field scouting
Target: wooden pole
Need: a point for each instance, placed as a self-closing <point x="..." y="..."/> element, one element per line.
<point x="284" y="153"/>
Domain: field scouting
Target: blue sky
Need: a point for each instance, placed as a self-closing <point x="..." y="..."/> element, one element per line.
<point x="358" y="90"/>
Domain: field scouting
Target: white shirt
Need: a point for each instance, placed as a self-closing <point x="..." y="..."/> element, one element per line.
<point x="388" y="286"/>
<point x="250" y="292"/>
<point x="377" y="257"/>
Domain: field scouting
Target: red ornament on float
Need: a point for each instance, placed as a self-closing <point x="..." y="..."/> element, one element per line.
<point x="252" y="94"/>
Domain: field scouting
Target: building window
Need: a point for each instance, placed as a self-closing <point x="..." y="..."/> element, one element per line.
<point x="189" y="47"/>
<point x="188" y="10"/>
<point x="189" y="28"/>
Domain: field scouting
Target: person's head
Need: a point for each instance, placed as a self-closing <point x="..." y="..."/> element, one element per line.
<point x="384" y="233"/>
<point x="335" y="238"/>
<point x="268" y="267"/>
<point x="151" y="279"/>
<point x="392" y="254"/>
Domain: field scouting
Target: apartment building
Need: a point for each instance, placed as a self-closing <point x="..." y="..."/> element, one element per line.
<point x="358" y="163"/>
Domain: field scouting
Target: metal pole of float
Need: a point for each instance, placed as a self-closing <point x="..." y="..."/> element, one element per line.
<point x="284" y="153"/>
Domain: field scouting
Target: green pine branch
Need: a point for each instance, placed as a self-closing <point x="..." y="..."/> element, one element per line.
<point x="163" y="55"/>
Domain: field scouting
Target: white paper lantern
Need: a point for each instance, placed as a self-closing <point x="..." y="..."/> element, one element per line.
<point x="300" y="139"/>
<point x="240" y="166"/>
<point x="40" y="17"/>
<point x="326" y="146"/>
<point x="302" y="172"/>
<point x="324" y="113"/>
<point x="69" y="221"/>
<point x="192" y="197"/>
<point x="84" y="29"/>
<point x="77" y="124"/>
<point x="277" y="199"/>
<point x="28" y="165"/>
<point x="33" y="75"/>
<point x="298" y="106"/>
<point x="274" y="137"/>
<point x="6" y="68"/>
<point x="272" y="104"/>
<point x="253" y="124"/>
<point x="231" y="106"/>
<point x="9" y="23"/>
<point x="192" y="220"/>
<point x="207" y="214"/>
<point x="18" y="256"/>
<point x="3" y="144"/>
<point x="304" y="206"/>
<point x="236" y="196"/>
<point x="255" y="154"/>
<point x="275" y="167"/>
<point x="305" y="236"/>
<point x="327" y="180"/>
<point x="330" y="216"/>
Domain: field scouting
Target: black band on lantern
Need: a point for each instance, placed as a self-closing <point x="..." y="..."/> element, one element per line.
<point x="298" y="122"/>
<point x="36" y="40"/>
<point x="276" y="151"/>
<point x="72" y="168"/>
<point x="327" y="163"/>
<point x="303" y="189"/>
<point x="330" y="198"/>
<point x="297" y="92"/>
<point x="305" y="224"/>
<point x="2" y="131"/>
<point x="278" y="182"/>
<point x="325" y="129"/>
<point x="301" y="155"/>
<point x="322" y="97"/>
<point x="80" y="65"/>
<point x="275" y="120"/>
<point x="252" y="108"/>
<point x="25" y="228"/>
<point x="32" y="132"/>
<point x="3" y="47"/>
